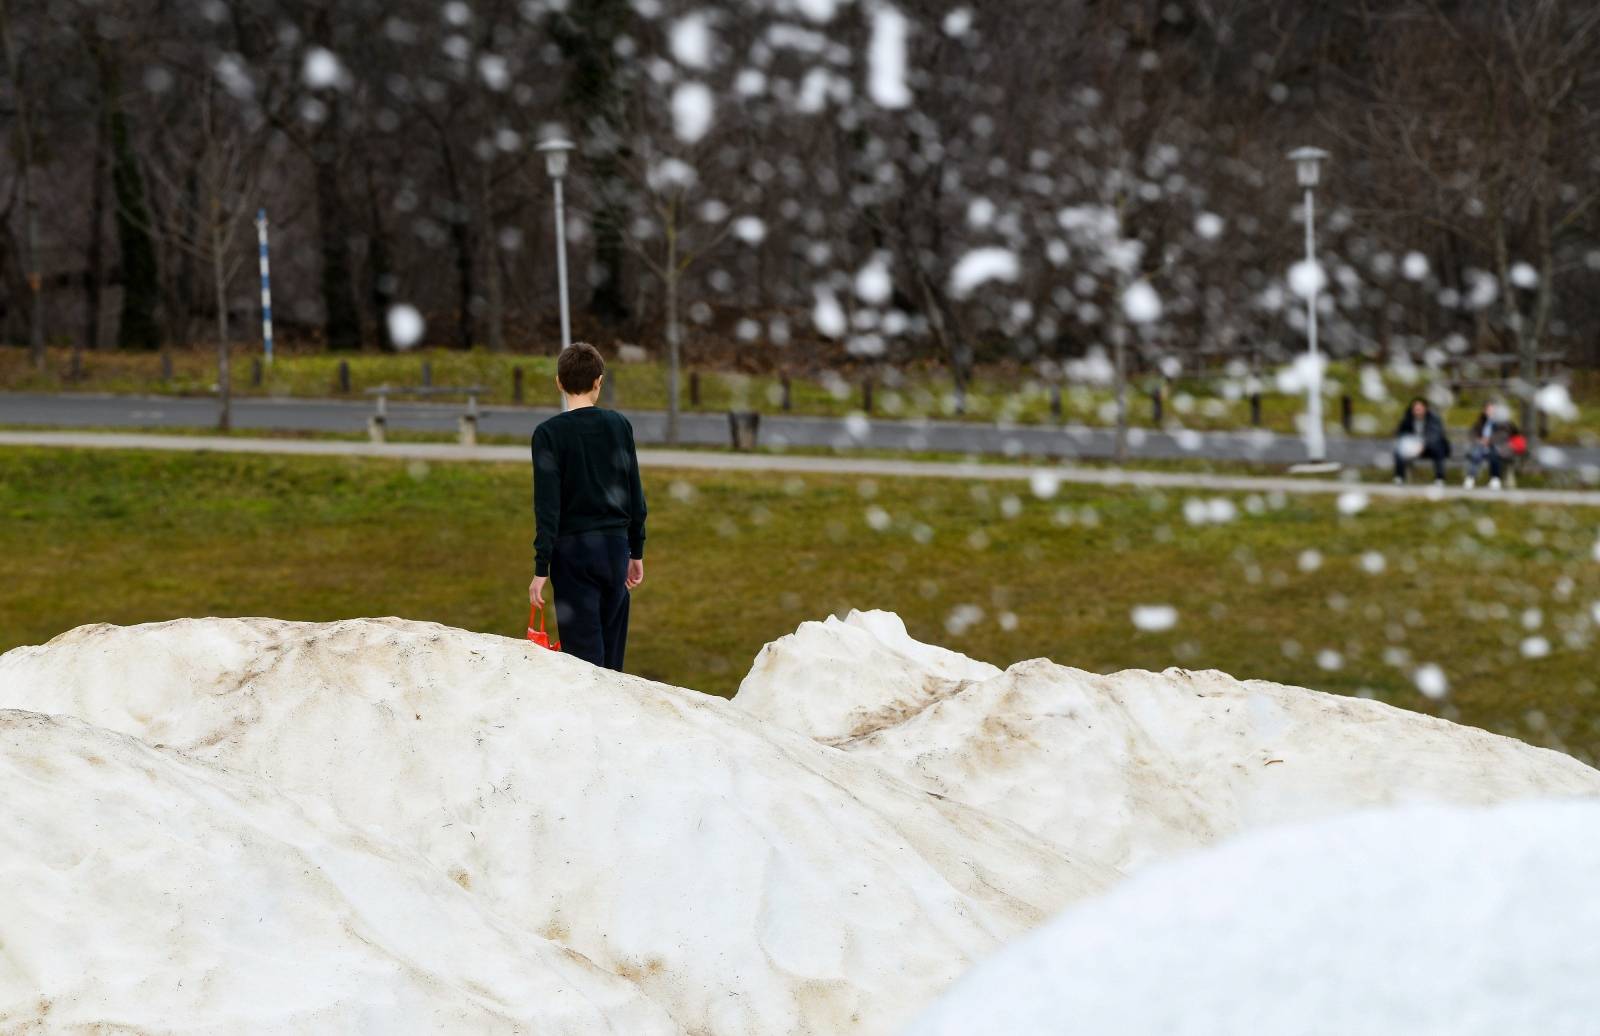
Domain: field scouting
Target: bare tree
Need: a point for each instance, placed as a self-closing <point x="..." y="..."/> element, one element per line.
<point x="30" y="197"/>
<point x="211" y="188"/>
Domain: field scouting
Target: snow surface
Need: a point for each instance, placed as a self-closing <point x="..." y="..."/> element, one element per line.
<point x="1127" y="768"/>
<point x="249" y="825"/>
<point x="1424" y="921"/>
<point x="148" y="891"/>
<point x="744" y="878"/>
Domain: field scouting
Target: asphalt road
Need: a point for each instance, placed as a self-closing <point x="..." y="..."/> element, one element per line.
<point x="708" y="429"/>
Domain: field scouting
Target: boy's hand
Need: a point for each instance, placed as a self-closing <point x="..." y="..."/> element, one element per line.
<point x="635" y="573"/>
<point x="536" y="590"/>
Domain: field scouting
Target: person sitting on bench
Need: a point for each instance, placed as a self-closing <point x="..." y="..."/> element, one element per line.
<point x="1491" y="440"/>
<point x="1420" y="435"/>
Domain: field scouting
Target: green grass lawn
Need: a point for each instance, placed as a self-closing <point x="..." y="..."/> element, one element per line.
<point x="995" y="395"/>
<point x="736" y="560"/>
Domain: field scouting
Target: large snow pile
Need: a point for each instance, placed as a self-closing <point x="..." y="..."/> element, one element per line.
<point x="254" y="825"/>
<point x="743" y="877"/>
<point x="1426" y="921"/>
<point x="149" y="892"/>
<point x="1133" y="766"/>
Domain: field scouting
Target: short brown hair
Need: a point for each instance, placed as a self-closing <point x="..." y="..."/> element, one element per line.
<point x="579" y="368"/>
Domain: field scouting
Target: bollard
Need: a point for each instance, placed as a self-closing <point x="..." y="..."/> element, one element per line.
<point x="1055" y="402"/>
<point x="694" y="388"/>
<point x="427" y="373"/>
<point x="1255" y="410"/>
<point x="344" y="377"/>
<point x="516" y="384"/>
<point x="378" y="423"/>
<point x="866" y="396"/>
<point x="166" y="365"/>
<point x="743" y="427"/>
<point x="1347" y="413"/>
<point x="255" y="372"/>
<point x="788" y="401"/>
<point x="1155" y="406"/>
<point x="468" y="425"/>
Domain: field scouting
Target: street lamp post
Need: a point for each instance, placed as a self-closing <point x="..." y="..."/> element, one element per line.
<point x="1308" y="167"/>
<point x="556" y="152"/>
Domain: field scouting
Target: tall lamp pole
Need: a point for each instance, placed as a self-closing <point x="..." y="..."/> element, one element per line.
<point x="556" y="152"/>
<point x="1308" y="167"/>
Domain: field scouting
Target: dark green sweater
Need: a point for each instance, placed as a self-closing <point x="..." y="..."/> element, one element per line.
<point x="585" y="479"/>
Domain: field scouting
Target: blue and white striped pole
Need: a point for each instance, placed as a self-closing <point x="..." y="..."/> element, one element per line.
<point x="266" y="285"/>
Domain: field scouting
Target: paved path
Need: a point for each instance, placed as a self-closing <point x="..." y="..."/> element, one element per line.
<point x="1066" y="442"/>
<point x="1043" y="477"/>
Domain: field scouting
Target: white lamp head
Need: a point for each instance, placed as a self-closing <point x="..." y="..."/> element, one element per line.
<point x="1308" y="164"/>
<point x="556" y="151"/>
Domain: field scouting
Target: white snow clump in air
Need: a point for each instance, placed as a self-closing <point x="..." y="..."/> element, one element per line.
<point x="1353" y="502"/>
<point x="405" y="326"/>
<point x="1556" y="400"/>
<point x="1414" y="266"/>
<point x="1141" y="304"/>
<point x="750" y="229"/>
<point x="692" y="109"/>
<point x="1155" y="618"/>
<point x="322" y="69"/>
<point x="982" y="265"/>
<point x="957" y="21"/>
<point x="827" y="315"/>
<point x="873" y="284"/>
<point x="691" y="41"/>
<point x="1209" y="225"/>
<point x="1523" y="275"/>
<point x="1307" y="279"/>
<point x="1431" y="681"/>
<point x="886" y="58"/>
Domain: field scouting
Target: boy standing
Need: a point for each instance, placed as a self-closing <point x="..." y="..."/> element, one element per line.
<point x="588" y="506"/>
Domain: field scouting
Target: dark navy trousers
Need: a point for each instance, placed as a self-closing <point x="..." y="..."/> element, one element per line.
<point x="590" y="572"/>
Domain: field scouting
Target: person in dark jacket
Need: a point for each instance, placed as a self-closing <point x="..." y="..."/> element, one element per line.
<point x="589" y="512"/>
<point x="1420" y="435"/>
<point x="1490" y="440"/>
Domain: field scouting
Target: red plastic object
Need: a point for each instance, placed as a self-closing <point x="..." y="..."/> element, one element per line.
<point x="539" y="636"/>
<point x="1519" y="444"/>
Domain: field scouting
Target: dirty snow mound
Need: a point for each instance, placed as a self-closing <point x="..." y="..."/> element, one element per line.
<point x="1427" y="921"/>
<point x="744" y="877"/>
<point x="1137" y="766"/>
<point x="149" y="892"/>
<point x="840" y="679"/>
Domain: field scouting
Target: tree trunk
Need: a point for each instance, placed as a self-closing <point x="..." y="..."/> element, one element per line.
<point x="341" y="323"/>
<point x="1119" y="360"/>
<point x="224" y="377"/>
<point x="92" y="284"/>
<point x="673" y="339"/>
<point x="494" y="291"/>
<point x="139" y="325"/>
<point x="380" y="275"/>
<point x="30" y="201"/>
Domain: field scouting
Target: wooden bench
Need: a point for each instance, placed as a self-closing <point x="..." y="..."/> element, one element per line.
<point x="467" y="424"/>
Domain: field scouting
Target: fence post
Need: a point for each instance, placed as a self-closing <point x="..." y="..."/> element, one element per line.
<point x="427" y="373"/>
<point x="1155" y="406"/>
<point x="1255" y="410"/>
<point x="866" y="396"/>
<point x="1542" y="422"/>
<point x="1347" y="413"/>
<point x="255" y="372"/>
<point x="788" y="401"/>
<point x="344" y="377"/>
<point x="694" y="388"/>
<point x="516" y="384"/>
<point x="1055" y="402"/>
<point x="166" y="365"/>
